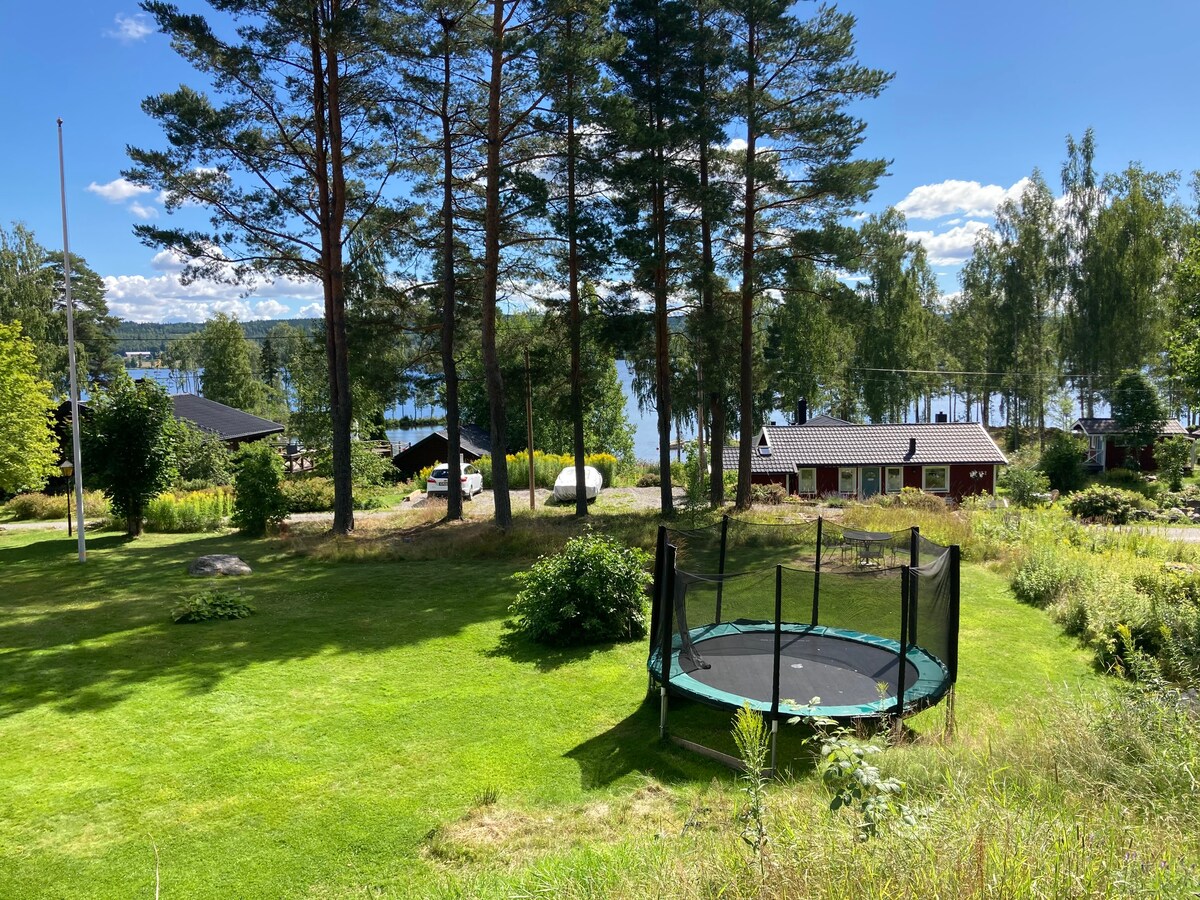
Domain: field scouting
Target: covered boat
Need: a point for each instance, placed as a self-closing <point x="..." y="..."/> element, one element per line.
<point x="564" y="484"/>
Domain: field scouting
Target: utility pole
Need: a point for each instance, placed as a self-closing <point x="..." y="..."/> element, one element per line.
<point x="529" y="428"/>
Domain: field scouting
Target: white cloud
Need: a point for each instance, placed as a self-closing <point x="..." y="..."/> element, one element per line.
<point x="165" y="298"/>
<point x="312" y="311"/>
<point x="950" y="248"/>
<point x="130" y="29"/>
<point x="737" y="145"/>
<point x="271" y="309"/>
<point x="142" y="211"/>
<point x="969" y="198"/>
<point x="118" y="190"/>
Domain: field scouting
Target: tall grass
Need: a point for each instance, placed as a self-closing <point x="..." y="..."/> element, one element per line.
<point x="47" y="507"/>
<point x="192" y="511"/>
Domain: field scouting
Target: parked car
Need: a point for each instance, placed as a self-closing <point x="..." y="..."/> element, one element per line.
<point x="439" y="481"/>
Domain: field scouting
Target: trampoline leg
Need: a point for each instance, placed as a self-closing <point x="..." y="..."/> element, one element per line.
<point x="662" y="713"/>
<point x="774" y="742"/>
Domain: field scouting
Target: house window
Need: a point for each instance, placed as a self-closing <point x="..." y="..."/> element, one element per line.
<point x="806" y="481"/>
<point x="936" y="479"/>
<point x="893" y="480"/>
<point x="847" y="481"/>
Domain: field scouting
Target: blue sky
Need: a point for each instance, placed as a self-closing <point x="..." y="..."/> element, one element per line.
<point x="982" y="94"/>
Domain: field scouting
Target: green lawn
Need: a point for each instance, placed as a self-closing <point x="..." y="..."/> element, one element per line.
<point x="312" y="749"/>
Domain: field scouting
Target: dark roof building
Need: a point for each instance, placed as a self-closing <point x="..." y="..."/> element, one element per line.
<point x="231" y="425"/>
<point x="1106" y="450"/>
<point x="473" y="441"/>
<point x="950" y="458"/>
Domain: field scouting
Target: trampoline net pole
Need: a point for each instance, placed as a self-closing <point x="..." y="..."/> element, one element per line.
<point x="778" y="641"/>
<point x="952" y="643"/>
<point x="914" y="547"/>
<point x="901" y="663"/>
<point x="657" y="605"/>
<point x="817" y="574"/>
<point x="721" y="565"/>
<point x="667" y="615"/>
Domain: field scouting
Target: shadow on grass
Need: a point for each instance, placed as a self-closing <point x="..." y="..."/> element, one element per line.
<point x="84" y="636"/>
<point x="633" y="746"/>
<point x="520" y="649"/>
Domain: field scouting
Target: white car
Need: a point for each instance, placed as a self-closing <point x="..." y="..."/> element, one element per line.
<point x="439" y="481"/>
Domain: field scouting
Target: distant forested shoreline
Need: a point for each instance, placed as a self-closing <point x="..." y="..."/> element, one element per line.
<point x="154" y="336"/>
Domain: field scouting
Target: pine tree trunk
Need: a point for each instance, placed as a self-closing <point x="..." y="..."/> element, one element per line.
<point x="454" y="498"/>
<point x="581" y="507"/>
<point x="491" y="275"/>
<point x="331" y="189"/>
<point x="662" y="337"/>
<point x="747" y="292"/>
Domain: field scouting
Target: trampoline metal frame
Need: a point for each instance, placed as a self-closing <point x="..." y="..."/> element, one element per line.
<point x="664" y="586"/>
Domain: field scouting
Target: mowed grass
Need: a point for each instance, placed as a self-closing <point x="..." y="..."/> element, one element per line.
<point x="335" y="743"/>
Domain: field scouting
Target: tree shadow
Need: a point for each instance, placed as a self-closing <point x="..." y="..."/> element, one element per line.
<point x="634" y="746"/>
<point x="519" y="649"/>
<point x="84" y="636"/>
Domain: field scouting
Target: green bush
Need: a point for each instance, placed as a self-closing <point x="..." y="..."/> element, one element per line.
<point x="911" y="498"/>
<point x="308" y="494"/>
<point x="48" y="507"/>
<point x="649" y="479"/>
<point x="259" y="499"/>
<point x="201" y="456"/>
<point x="591" y="591"/>
<point x="367" y="468"/>
<point x="209" y="605"/>
<point x="1024" y="484"/>
<point x="189" y="512"/>
<point x="1062" y="462"/>
<point x="1172" y="457"/>
<point x="1104" y="503"/>
<point x="1047" y="574"/>
<point x="770" y="494"/>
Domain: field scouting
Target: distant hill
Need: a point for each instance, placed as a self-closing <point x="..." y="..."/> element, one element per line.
<point x="154" y="336"/>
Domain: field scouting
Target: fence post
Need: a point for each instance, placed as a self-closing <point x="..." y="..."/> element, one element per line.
<point x="902" y="667"/>
<point x="721" y="566"/>
<point x="817" y="573"/>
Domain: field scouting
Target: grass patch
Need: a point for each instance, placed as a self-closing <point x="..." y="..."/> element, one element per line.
<point x="374" y="730"/>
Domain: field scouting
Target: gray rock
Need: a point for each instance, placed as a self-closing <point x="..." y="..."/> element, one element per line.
<point x="219" y="564"/>
<point x="1175" y="514"/>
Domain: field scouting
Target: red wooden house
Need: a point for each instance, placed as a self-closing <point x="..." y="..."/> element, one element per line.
<point x="828" y="456"/>
<point x="1106" y="450"/>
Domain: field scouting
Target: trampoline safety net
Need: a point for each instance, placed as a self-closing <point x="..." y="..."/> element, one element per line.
<point x="811" y="619"/>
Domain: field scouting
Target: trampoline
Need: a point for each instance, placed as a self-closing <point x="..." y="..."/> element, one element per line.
<point x="807" y="636"/>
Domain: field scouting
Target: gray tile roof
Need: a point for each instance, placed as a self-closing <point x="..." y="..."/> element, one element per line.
<point x="1109" y="426"/>
<point x="824" y="420"/>
<point x="937" y="443"/>
<point x="226" y="422"/>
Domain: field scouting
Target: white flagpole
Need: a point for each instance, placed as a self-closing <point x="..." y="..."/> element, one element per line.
<point x="62" y="186"/>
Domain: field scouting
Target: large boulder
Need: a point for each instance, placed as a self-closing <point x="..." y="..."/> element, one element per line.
<point x="219" y="564"/>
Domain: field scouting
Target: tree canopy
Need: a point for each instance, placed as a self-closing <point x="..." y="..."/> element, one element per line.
<point x="28" y="447"/>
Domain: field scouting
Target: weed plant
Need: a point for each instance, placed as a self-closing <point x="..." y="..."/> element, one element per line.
<point x="191" y="511"/>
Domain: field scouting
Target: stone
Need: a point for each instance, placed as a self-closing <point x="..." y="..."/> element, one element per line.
<point x="1175" y="514"/>
<point x="219" y="564"/>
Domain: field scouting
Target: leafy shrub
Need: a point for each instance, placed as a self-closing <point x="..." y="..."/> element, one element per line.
<point x="770" y="494"/>
<point x="1062" y="462"/>
<point x="1172" y="456"/>
<point x="367" y="468"/>
<point x="209" y="605"/>
<point x="54" y="506"/>
<point x="308" y="494"/>
<point x="1046" y="574"/>
<point x="1123" y="478"/>
<point x="259" y="499"/>
<point x="649" y="479"/>
<point x="591" y="591"/>
<point x="189" y="512"/>
<point x="201" y="456"/>
<point x="422" y="477"/>
<point x="911" y="498"/>
<point x="1105" y="503"/>
<point x="1024" y="484"/>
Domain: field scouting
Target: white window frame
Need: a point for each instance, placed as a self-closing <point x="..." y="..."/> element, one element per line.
<point x="890" y="487"/>
<point x="800" y="477"/>
<point x="925" y="470"/>
<point x="853" y="480"/>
